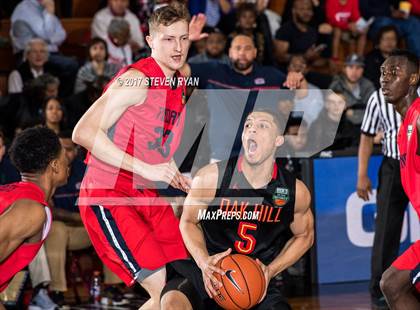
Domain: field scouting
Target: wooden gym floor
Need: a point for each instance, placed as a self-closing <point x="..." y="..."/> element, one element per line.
<point x="348" y="296"/>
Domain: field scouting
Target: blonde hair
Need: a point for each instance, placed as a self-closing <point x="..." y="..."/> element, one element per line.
<point x="168" y="15"/>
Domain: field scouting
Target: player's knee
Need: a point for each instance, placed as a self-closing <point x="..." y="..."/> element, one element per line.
<point x="155" y="283"/>
<point x="390" y="284"/>
<point x="174" y="300"/>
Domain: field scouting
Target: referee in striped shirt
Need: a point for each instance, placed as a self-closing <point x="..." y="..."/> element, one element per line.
<point x="391" y="199"/>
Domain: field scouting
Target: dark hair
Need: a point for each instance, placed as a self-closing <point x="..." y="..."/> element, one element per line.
<point x="409" y="56"/>
<point x="384" y="30"/>
<point x="169" y="14"/>
<point x="65" y="134"/>
<point x="95" y="41"/>
<point x="296" y="121"/>
<point x="279" y="120"/>
<point x="44" y="109"/>
<point x="33" y="149"/>
<point x="246" y="7"/>
<point x="336" y="92"/>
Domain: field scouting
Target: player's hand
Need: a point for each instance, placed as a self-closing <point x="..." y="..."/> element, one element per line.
<point x="364" y="187"/>
<point x="267" y="275"/>
<point x="208" y="267"/>
<point x="312" y="53"/>
<point x="165" y="172"/>
<point x="196" y="26"/>
<point x="184" y="182"/>
<point x="294" y="80"/>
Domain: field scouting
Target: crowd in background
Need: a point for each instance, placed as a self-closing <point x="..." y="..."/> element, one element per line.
<point x="336" y="44"/>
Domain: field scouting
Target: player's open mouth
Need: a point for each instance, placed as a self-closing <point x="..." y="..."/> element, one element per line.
<point x="252" y="146"/>
<point x="176" y="58"/>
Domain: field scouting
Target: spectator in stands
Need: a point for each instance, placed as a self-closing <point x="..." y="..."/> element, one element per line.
<point x="356" y="88"/>
<point x="308" y="97"/>
<point x="344" y="16"/>
<point x="77" y="104"/>
<point x="35" y="64"/>
<point x="8" y="172"/>
<point x="386" y="14"/>
<point x="285" y="103"/>
<point x="49" y="85"/>
<point x="333" y="125"/>
<point x="386" y="41"/>
<point x="225" y="109"/>
<point x="295" y="144"/>
<point x="117" y="41"/>
<point x="36" y="19"/>
<point x="118" y="9"/>
<point x="297" y="36"/>
<point x="246" y="15"/>
<point x="213" y="9"/>
<point x="26" y="108"/>
<point x="415" y="8"/>
<point x="296" y="135"/>
<point x="53" y="115"/>
<point x="215" y="48"/>
<point x="96" y="66"/>
<point x="67" y="230"/>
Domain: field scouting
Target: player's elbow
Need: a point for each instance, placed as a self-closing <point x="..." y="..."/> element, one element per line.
<point x="311" y="239"/>
<point x="81" y="135"/>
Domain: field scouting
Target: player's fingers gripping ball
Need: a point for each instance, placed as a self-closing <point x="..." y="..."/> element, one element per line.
<point x="243" y="282"/>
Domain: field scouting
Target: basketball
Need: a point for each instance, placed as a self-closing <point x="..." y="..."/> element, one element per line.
<point x="243" y="282"/>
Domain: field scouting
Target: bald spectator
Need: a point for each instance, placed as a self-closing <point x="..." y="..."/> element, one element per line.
<point x="226" y="108"/>
<point x="118" y="9"/>
<point x="35" y="64"/>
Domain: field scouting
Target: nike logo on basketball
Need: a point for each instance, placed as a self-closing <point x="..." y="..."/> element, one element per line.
<point x="232" y="280"/>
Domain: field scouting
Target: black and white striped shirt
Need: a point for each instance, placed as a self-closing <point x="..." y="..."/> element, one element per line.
<point x="382" y="115"/>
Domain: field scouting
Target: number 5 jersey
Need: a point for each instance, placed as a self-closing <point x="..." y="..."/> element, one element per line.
<point x="253" y="222"/>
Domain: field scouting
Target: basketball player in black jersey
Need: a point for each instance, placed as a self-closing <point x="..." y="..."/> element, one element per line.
<point x="244" y="205"/>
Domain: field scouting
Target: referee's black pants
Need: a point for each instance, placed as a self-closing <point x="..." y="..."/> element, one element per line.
<point x="391" y="202"/>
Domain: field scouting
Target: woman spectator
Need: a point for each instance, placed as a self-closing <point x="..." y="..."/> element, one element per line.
<point x="53" y="114"/>
<point x="96" y="66"/>
<point x="387" y="39"/>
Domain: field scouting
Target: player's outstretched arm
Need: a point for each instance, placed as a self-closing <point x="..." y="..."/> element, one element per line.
<point x="91" y="130"/>
<point x="302" y="229"/>
<point x="202" y="193"/>
<point x="23" y="221"/>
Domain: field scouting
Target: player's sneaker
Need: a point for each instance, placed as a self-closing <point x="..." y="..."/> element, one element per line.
<point x="112" y="296"/>
<point x="379" y="303"/>
<point x="42" y="301"/>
